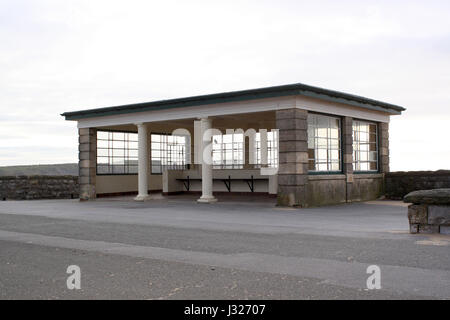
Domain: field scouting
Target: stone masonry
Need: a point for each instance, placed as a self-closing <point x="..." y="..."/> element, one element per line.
<point x="293" y="157"/>
<point x="87" y="162"/>
<point x="400" y="183"/>
<point x="38" y="187"/>
<point x="384" y="147"/>
<point x="429" y="211"/>
<point x="347" y="134"/>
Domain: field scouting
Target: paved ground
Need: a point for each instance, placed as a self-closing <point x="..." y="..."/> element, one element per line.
<point x="177" y="249"/>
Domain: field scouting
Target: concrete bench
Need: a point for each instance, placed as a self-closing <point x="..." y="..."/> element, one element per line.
<point x="429" y="211"/>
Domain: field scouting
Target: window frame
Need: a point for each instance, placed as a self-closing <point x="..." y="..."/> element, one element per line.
<point x="233" y="166"/>
<point x="186" y="166"/>
<point x="341" y="138"/>
<point x="377" y="146"/>
<point x="96" y="153"/>
<point x="275" y="148"/>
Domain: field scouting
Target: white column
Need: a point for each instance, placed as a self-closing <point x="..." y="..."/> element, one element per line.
<point x="143" y="155"/>
<point x="206" y="160"/>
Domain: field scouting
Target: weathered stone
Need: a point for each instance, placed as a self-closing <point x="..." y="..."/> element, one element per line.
<point x="439" y="214"/>
<point x="417" y="213"/>
<point x="444" y="230"/>
<point x="294" y="134"/>
<point x="291" y="114"/>
<point x="87" y="162"/>
<point x="293" y="157"/>
<point x="400" y="183"/>
<point x="434" y="196"/>
<point x="293" y="146"/>
<point x="293" y="168"/>
<point x="428" y="228"/>
<point x="293" y="196"/>
<point x="290" y="124"/>
<point x="414" y="228"/>
<point x="38" y="187"/>
<point x="292" y="180"/>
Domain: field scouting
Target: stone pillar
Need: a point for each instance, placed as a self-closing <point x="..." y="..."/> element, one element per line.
<point x="87" y="162"/>
<point x="143" y="157"/>
<point x="347" y="153"/>
<point x="383" y="131"/>
<point x="293" y="157"/>
<point x="206" y="162"/>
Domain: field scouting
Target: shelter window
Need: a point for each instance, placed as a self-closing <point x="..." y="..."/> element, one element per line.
<point x="324" y="143"/>
<point x="365" y="146"/>
<point x="169" y="152"/>
<point x="117" y="152"/>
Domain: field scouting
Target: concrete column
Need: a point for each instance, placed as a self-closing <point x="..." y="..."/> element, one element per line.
<point x="143" y="162"/>
<point x="206" y="162"/>
<point x="383" y="162"/>
<point x="347" y="153"/>
<point x="87" y="162"/>
<point x="293" y="157"/>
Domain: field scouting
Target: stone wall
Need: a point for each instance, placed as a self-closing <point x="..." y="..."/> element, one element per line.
<point x="38" y="187"/>
<point x="429" y="211"/>
<point x="400" y="183"/>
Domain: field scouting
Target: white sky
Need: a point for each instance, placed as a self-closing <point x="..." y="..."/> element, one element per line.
<point x="58" y="56"/>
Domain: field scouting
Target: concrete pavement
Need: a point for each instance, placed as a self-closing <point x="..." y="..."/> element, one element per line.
<point x="216" y="251"/>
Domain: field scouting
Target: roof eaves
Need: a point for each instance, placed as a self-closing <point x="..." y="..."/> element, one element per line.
<point x="261" y="93"/>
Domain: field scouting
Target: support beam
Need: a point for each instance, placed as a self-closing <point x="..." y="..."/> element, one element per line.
<point x="143" y="162"/>
<point x="206" y="162"/>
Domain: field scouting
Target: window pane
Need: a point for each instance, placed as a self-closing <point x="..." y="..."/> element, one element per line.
<point x="102" y="144"/>
<point x="365" y="146"/>
<point x="324" y="143"/>
<point x="168" y="151"/>
<point x="113" y="152"/>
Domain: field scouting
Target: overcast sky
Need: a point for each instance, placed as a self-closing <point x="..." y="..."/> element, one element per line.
<point x="58" y="56"/>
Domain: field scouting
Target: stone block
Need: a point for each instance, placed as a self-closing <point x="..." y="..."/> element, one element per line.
<point x="417" y="214"/>
<point x="91" y="163"/>
<point x="86" y="155"/>
<point x="293" y="135"/>
<point x="287" y="124"/>
<point x="434" y="196"/>
<point x="414" y="228"/>
<point x="444" y="230"/>
<point x="293" y="168"/>
<point x="84" y="147"/>
<point x="291" y="114"/>
<point x="291" y="146"/>
<point x="293" y="157"/>
<point x="292" y="180"/>
<point x="439" y="214"/>
<point x="87" y="172"/>
<point x="428" y="228"/>
<point x="293" y="196"/>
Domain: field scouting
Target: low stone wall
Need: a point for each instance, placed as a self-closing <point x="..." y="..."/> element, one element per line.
<point x="429" y="211"/>
<point x="38" y="187"/>
<point x="400" y="183"/>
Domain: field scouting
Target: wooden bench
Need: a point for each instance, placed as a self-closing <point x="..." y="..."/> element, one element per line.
<point x="227" y="181"/>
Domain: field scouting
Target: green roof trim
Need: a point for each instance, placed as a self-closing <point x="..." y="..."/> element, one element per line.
<point x="233" y="96"/>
